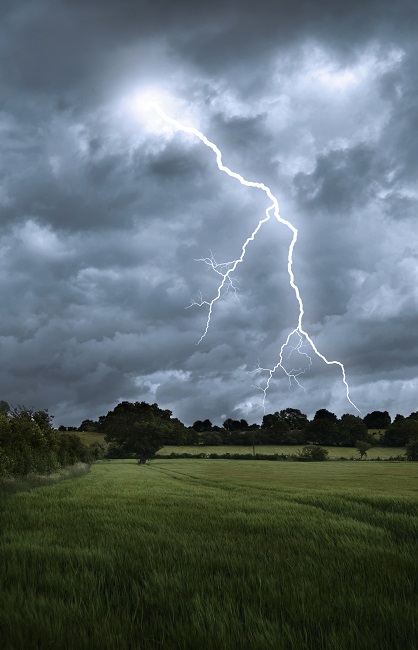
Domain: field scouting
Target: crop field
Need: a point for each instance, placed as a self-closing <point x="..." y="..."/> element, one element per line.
<point x="213" y="555"/>
<point x="333" y="452"/>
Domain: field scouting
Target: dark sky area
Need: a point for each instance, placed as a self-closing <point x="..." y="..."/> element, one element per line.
<point x="105" y="208"/>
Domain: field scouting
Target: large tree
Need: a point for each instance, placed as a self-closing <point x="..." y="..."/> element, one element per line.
<point x="377" y="420"/>
<point x="352" y="429"/>
<point x="200" y="426"/>
<point x="322" y="431"/>
<point x="138" y="430"/>
<point x="294" y="418"/>
<point x="324" y="414"/>
<point x="274" y="430"/>
<point x="399" y="433"/>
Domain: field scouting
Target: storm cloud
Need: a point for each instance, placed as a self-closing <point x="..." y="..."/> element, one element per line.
<point x="104" y="214"/>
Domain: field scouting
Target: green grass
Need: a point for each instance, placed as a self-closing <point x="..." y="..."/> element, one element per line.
<point x="377" y="433"/>
<point x="88" y="437"/>
<point x="213" y="555"/>
<point x="334" y="452"/>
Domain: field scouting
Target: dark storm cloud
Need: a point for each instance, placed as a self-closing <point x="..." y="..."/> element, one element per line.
<point x="342" y="180"/>
<point x="103" y="217"/>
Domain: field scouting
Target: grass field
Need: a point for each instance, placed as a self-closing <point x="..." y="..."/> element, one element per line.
<point x="334" y="452"/>
<point x="209" y="554"/>
<point x="88" y="437"/>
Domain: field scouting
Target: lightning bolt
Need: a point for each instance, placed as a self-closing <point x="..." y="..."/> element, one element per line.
<point x="226" y="269"/>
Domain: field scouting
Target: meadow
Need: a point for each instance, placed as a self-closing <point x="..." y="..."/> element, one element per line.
<point x="333" y="452"/>
<point x="213" y="554"/>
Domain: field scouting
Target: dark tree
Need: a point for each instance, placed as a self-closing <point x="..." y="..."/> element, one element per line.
<point x="294" y="418"/>
<point x="377" y="420"/>
<point x="89" y="425"/>
<point x="274" y="430"/>
<point x="322" y="431"/>
<point x="274" y="421"/>
<point x="4" y="407"/>
<point x="399" y="433"/>
<point x="235" y="425"/>
<point x="411" y="449"/>
<point x="200" y="426"/>
<point x="138" y="430"/>
<point x="210" y="438"/>
<point x="323" y="414"/>
<point x="191" y="437"/>
<point x="352" y="429"/>
<point x="241" y="437"/>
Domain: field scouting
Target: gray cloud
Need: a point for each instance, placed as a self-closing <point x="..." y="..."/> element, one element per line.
<point x="103" y="216"/>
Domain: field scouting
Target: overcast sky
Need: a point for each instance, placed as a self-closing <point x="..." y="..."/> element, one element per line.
<point x="105" y="208"/>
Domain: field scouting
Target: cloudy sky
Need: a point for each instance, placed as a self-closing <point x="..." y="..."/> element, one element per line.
<point x="105" y="208"/>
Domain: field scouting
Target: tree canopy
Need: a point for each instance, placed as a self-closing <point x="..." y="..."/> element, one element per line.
<point x="138" y="430"/>
<point x="377" y="420"/>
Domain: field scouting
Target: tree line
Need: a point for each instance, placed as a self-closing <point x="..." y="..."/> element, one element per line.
<point x="286" y="427"/>
<point x="30" y="444"/>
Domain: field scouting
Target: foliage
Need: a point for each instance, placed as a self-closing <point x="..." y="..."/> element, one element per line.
<point x="210" y="438"/>
<point x="377" y="420"/>
<point x="322" y="431"/>
<point x="363" y="447"/>
<point x="351" y="429"/>
<point x="275" y="430"/>
<point x="399" y="433"/>
<point x="29" y="444"/>
<point x="294" y="418"/>
<point x="313" y="453"/>
<point x="324" y="414"/>
<point x="96" y="451"/>
<point x="4" y="407"/>
<point x="228" y="456"/>
<point x="139" y="430"/>
<point x="411" y="449"/>
<point x="235" y="425"/>
<point x="89" y="425"/>
<point x="116" y="450"/>
<point x="200" y="426"/>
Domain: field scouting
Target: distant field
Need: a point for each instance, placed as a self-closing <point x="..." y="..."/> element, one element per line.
<point x="334" y="452"/>
<point x="209" y="555"/>
<point x="88" y="437"/>
<point x="377" y="433"/>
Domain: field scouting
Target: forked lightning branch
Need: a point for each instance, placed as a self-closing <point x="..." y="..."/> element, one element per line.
<point x="226" y="269"/>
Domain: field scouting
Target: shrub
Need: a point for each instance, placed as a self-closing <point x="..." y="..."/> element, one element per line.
<point x="6" y="464"/>
<point x="96" y="451"/>
<point x="411" y="450"/>
<point x="312" y="453"/>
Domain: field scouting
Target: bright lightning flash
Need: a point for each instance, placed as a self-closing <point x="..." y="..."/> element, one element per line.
<point x="226" y="269"/>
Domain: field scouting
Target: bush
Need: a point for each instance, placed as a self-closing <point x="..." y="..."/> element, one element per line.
<point x="96" y="451"/>
<point x="6" y="464"/>
<point x="400" y="433"/>
<point x="30" y="445"/>
<point x="411" y="450"/>
<point x="312" y="453"/>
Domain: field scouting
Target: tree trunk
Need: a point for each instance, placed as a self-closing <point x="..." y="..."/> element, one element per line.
<point x="142" y="460"/>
